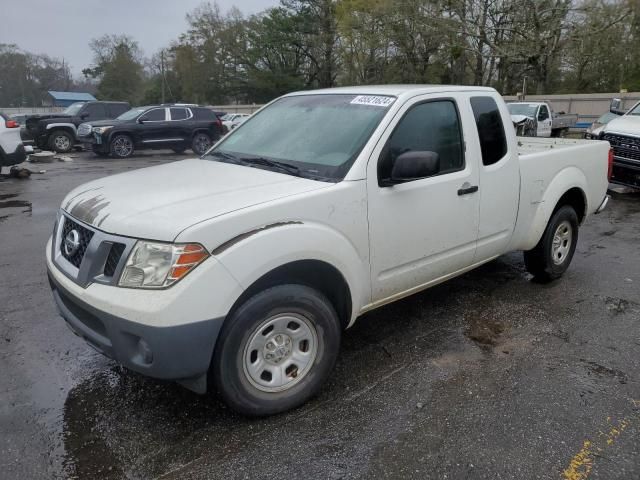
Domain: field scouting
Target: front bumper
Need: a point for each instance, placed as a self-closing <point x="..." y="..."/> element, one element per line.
<point x="180" y="352"/>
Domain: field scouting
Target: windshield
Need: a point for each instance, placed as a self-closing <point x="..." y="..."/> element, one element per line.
<point x="526" y="109"/>
<point x="131" y="114"/>
<point x="73" y="109"/>
<point x="635" y="110"/>
<point x="320" y="135"/>
<point x="606" y="118"/>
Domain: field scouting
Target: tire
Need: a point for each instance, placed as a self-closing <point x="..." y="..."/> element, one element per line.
<point x="61" y="141"/>
<point x="201" y="143"/>
<point x="179" y="150"/>
<point x="551" y="257"/>
<point x="298" y="327"/>
<point x="121" y="146"/>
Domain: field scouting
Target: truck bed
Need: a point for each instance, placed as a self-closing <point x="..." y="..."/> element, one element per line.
<point x="529" y="145"/>
<point x="547" y="166"/>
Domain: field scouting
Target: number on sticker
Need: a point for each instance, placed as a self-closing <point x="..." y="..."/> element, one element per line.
<point x="373" y="100"/>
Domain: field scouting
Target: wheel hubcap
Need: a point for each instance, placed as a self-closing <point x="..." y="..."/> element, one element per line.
<point x="561" y="242"/>
<point x="280" y="352"/>
<point x="61" y="142"/>
<point x="122" y="146"/>
<point x="202" y="143"/>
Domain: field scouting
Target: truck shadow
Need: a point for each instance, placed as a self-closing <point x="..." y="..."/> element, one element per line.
<point x="117" y="424"/>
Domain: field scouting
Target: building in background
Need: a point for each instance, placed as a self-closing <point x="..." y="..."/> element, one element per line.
<point x="64" y="99"/>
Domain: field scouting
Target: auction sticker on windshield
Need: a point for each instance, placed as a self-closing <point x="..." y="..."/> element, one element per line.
<point x="374" y="100"/>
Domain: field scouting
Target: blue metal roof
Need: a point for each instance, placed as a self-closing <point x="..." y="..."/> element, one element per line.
<point x="74" y="96"/>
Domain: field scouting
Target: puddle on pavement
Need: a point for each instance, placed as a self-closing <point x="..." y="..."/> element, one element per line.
<point x="16" y="204"/>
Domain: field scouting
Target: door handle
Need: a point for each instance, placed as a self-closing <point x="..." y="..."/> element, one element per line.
<point x="466" y="189"/>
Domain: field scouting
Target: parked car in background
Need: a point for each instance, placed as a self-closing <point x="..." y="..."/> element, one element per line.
<point x="12" y="150"/>
<point x="547" y="123"/>
<point x="232" y="120"/>
<point x="623" y="134"/>
<point x="173" y="126"/>
<point x="594" y="130"/>
<point x="58" y="131"/>
<point x="240" y="270"/>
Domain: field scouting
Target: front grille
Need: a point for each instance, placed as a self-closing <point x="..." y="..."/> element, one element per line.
<point x="84" y="130"/>
<point x="113" y="259"/>
<point x="623" y="146"/>
<point x="74" y="255"/>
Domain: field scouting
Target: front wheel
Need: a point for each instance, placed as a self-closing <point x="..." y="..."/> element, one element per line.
<point x="201" y="143"/>
<point x="121" y="146"/>
<point x="551" y="257"/>
<point x="61" y="141"/>
<point x="276" y="350"/>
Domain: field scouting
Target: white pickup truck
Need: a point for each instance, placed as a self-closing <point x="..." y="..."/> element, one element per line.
<point x="240" y="269"/>
<point x="537" y="119"/>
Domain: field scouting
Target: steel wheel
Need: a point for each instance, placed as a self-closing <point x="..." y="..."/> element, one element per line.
<point x="561" y="242"/>
<point x="122" y="146"/>
<point x="280" y="352"/>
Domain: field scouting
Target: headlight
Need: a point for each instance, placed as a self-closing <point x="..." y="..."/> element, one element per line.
<point x="102" y="130"/>
<point x="158" y="265"/>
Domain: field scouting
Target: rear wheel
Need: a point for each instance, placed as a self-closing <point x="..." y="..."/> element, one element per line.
<point x="121" y="146"/>
<point x="201" y="143"/>
<point x="61" y="141"/>
<point x="276" y="350"/>
<point x="552" y="255"/>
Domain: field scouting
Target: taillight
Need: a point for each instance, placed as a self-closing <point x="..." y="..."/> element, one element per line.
<point x="11" y="124"/>
<point x="610" y="166"/>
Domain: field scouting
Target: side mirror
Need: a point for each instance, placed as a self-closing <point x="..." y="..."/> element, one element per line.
<point x="414" y="165"/>
<point x="141" y="120"/>
<point x="84" y="115"/>
<point x="614" y="106"/>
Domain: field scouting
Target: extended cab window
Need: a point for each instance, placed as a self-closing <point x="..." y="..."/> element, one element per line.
<point x="155" y="115"/>
<point x="544" y="113"/>
<point x="427" y="127"/>
<point x="493" y="143"/>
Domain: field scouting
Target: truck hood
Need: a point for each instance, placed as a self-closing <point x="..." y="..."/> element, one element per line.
<point x="625" y="125"/>
<point x="158" y="203"/>
<point x="517" y="119"/>
<point x="105" y="123"/>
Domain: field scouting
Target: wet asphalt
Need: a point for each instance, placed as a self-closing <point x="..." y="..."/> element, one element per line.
<point x="489" y="376"/>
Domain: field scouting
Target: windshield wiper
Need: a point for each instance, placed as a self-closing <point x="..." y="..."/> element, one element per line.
<point x="225" y="156"/>
<point x="287" y="167"/>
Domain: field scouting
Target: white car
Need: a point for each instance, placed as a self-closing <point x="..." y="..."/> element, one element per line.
<point x="12" y="151"/>
<point x="327" y="205"/>
<point x="232" y="120"/>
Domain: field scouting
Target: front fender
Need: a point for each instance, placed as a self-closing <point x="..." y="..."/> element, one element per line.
<point x="541" y="202"/>
<point x="61" y="126"/>
<point x="252" y="254"/>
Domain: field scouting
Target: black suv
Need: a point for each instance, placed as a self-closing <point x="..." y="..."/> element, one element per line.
<point x="57" y="131"/>
<point x="175" y="126"/>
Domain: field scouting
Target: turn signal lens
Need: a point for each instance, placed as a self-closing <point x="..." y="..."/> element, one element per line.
<point x="610" y="166"/>
<point x="159" y="265"/>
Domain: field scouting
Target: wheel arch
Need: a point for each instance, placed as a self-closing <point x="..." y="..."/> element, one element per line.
<point x="316" y="274"/>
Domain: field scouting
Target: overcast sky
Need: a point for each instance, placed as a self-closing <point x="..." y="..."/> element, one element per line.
<point x="63" y="28"/>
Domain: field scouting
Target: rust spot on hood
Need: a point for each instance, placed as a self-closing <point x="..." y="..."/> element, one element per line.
<point x="238" y="238"/>
<point x="88" y="210"/>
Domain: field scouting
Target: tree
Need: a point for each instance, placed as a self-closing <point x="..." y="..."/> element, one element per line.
<point x="118" y="68"/>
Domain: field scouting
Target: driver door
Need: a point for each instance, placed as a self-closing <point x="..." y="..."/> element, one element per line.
<point x="425" y="229"/>
<point x="544" y="121"/>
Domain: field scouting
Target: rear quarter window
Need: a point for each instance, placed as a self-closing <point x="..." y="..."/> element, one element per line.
<point x="203" y="114"/>
<point x="493" y="141"/>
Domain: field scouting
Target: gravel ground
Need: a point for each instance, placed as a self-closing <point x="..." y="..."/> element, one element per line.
<point x="489" y="376"/>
